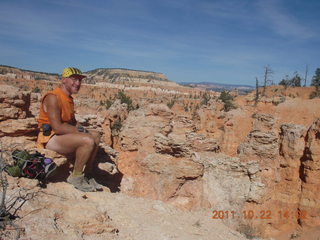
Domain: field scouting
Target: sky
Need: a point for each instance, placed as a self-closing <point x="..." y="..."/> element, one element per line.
<point x="225" y="41"/>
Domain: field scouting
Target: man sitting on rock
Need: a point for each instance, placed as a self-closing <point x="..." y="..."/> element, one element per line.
<point x="60" y="132"/>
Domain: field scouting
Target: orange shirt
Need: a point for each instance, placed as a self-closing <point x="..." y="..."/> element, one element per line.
<point x="66" y="107"/>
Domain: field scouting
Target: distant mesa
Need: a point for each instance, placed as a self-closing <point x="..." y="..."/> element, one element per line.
<point x="99" y="75"/>
<point x="18" y="73"/>
<point x="219" y="87"/>
<point x="122" y="75"/>
<point x="102" y="76"/>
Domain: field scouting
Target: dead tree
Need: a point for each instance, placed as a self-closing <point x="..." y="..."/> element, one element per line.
<point x="266" y="79"/>
<point x="305" y="76"/>
<point x="256" y="100"/>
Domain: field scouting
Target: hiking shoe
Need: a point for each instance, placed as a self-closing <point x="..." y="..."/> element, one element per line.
<point x="81" y="183"/>
<point x="93" y="183"/>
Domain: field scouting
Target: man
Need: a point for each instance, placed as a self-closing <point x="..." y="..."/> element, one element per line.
<point x="60" y="132"/>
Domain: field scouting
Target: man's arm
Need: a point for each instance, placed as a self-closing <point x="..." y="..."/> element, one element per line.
<point x="51" y="107"/>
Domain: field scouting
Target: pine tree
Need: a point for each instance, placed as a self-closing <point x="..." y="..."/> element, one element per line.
<point x="316" y="79"/>
<point x="316" y="82"/>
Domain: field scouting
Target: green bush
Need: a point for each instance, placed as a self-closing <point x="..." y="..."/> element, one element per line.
<point x="295" y="81"/>
<point x="227" y="99"/>
<point x="106" y="103"/>
<point x="171" y="103"/>
<point x="315" y="94"/>
<point x="316" y="79"/>
<point x="225" y="96"/>
<point x="205" y="99"/>
<point x="228" y="105"/>
<point x="36" y="90"/>
<point x="125" y="99"/>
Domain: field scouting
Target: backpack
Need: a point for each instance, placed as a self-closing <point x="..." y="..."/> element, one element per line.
<point x="34" y="165"/>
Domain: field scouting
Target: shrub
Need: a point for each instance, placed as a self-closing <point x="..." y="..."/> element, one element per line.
<point x="171" y="103"/>
<point x="295" y="81"/>
<point x="205" y="99"/>
<point x="125" y="99"/>
<point x="36" y="90"/>
<point x="316" y="79"/>
<point x="228" y="105"/>
<point x="225" y="96"/>
<point x="106" y="103"/>
<point x="315" y="94"/>
<point x="227" y="99"/>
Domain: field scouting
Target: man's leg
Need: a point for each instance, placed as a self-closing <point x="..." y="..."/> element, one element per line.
<point x="91" y="161"/>
<point x="85" y="147"/>
<point x="82" y="144"/>
<point x="89" y="171"/>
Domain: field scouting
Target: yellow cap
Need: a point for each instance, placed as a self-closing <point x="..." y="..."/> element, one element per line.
<point x="69" y="71"/>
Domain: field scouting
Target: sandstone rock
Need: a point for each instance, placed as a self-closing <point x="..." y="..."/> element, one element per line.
<point x="22" y="142"/>
<point x="256" y="192"/>
<point x="261" y="144"/>
<point x="201" y="143"/>
<point x="205" y="120"/>
<point x="141" y="126"/>
<point x="35" y="97"/>
<point x="56" y="157"/>
<point x="90" y="120"/>
<point x="290" y="184"/>
<point x="8" y="112"/>
<point x="221" y="174"/>
<point x="107" y="134"/>
<point x="169" y="166"/>
<point x="310" y="192"/>
<point x="184" y="145"/>
<point x="160" y="110"/>
<point x="65" y="214"/>
<point x="292" y="144"/>
<point x="313" y="140"/>
<point x="113" y="121"/>
<point x="162" y="177"/>
<point x="18" y="127"/>
<point x="109" y="150"/>
<point x="263" y="122"/>
<point x="174" y="145"/>
<point x="181" y="124"/>
<point x="14" y="104"/>
<point x="117" y="110"/>
<point x="26" y="183"/>
<point x="171" y="178"/>
<point x="108" y="167"/>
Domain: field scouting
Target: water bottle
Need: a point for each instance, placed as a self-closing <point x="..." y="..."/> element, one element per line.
<point x="46" y="128"/>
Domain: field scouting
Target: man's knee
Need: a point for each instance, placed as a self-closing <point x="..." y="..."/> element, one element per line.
<point x="88" y="141"/>
<point x="96" y="136"/>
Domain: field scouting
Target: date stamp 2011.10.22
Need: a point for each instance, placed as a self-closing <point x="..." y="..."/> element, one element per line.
<point x="262" y="214"/>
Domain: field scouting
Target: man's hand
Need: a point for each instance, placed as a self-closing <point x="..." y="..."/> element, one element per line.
<point x="81" y="129"/>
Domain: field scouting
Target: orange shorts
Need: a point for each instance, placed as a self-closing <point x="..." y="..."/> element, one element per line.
<point x="43" y="140"/>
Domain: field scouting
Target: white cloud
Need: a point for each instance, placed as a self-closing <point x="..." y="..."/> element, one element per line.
<point x="274" y="14"/>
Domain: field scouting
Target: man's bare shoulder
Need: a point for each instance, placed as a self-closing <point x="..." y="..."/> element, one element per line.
<point x="50" y="98"/>
<point x="50" y="101"/>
